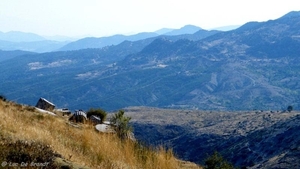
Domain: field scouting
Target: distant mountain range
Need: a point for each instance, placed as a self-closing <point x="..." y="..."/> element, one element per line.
<point x="34" y="46"/>
<point x="15" y="36"/>
<point x="188" y="29"/>
<point x="93" y="42"/>
<point x="28" y="42"/>
<point x="15" y="40"/>
<point x="253" y="67"/>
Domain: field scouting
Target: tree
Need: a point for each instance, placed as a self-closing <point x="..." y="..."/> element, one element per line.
<point x="216" y="161"/>
<point x="121" y="122"/>
<point x="97" y="112"/>
<point x="289" y="108"/>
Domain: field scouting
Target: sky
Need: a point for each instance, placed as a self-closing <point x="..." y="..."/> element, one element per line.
<point x="100" y="18"/>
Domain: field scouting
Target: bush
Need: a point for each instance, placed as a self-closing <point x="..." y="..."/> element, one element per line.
<point x="216" y="161"/>
<point x="122" y="126"/>
<point x="289" y="108"/>
<point x="97" y="112"/>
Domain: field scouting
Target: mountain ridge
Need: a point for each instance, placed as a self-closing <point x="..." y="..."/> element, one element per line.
<point x="17" y="36"/>
<point x="31" y="42"/>
<point x="252" y="67"/>
<point x="16" y="40"/>
<point x="187" y="29"/>
<point x="92" y="42"/>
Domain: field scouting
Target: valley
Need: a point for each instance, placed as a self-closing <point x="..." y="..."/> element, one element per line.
<point x="253" y="139"/>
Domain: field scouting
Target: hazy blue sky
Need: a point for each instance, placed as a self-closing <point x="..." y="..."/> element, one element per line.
<point x="108" y="17"/>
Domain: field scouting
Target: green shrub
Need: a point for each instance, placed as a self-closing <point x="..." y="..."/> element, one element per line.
<point x="216" y="161"/>
<point x="97" y="112"/>
<point x="121" y="123"/>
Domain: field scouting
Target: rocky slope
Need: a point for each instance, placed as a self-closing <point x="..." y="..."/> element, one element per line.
<point x="255" y="139"/>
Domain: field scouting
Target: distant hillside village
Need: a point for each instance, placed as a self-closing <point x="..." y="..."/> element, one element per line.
<point x="80" y="116"/>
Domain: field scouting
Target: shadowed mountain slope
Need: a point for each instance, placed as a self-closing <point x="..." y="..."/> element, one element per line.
<point x="253" y="139"/>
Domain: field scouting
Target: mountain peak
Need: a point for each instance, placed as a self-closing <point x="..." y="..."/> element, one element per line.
<point x="291" y="14"/>
<point x="187" y="29"/>
<point x="192" y="27"/>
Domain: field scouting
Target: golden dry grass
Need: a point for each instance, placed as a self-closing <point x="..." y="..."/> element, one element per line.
<point x="83" y="146"/>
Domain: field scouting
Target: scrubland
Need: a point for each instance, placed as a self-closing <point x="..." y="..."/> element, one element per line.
<point x="27" y="136"/>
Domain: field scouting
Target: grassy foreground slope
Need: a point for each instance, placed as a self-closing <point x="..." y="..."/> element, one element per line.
<point x="31" y="137"/>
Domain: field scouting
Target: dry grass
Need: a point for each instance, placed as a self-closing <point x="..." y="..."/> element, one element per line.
<point x="83" y="146"/>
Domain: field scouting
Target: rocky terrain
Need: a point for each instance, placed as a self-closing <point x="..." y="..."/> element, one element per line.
<point x="253" y="139"/>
